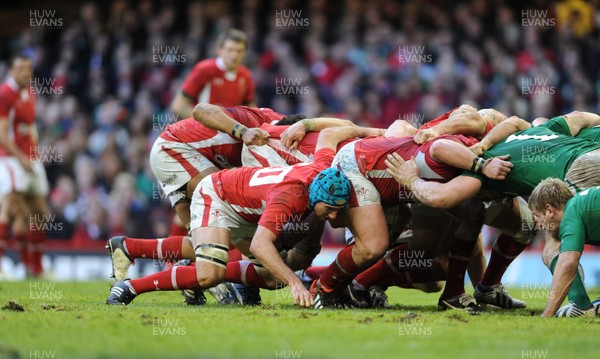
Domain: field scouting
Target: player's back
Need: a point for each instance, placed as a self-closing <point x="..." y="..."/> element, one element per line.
<point x="591" y="134"/>
<point x="250" y="189"/>
<point x="581" y="217"/>
<point x="537" y="153"/>
<point x="303" y="154"/>
<point x="371" y="154"/>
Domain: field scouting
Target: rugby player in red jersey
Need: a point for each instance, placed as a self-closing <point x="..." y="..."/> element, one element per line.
<point x="23" y="184"/>
<point x="463" y="120"/>
<point x="373" y="188"/>
<point x="187" y="151"/>
<point x="368" y="288"/>
<point x="253" y="203"/>
<point x="222" y="81"/>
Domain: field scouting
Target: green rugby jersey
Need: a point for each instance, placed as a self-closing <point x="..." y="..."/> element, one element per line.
<point x="536" y="154"/>
<point x="581" y="221"/>
<point x="592" y="134"/>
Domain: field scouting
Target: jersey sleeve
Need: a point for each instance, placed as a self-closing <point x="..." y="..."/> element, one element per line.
<point x="246" y="116"/>
<point x="572" y="230"/>
<point x="324" y="157"/>
<point x="195" y="81"/>
<point x="559" y="125"/>
<point x="286" y="203"/>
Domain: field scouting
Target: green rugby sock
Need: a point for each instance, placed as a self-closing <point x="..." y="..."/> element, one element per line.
<point x="577" y="293"/>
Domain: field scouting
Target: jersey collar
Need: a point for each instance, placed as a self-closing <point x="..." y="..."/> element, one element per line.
<point x="229" y="75"/>
<point x="13" y="84"/>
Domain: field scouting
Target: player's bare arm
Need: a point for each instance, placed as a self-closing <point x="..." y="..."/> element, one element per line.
<point x="213" y="116"/>
<point x="462" y="109"/>
<point x="11" y="147"/>
<point x="578" y="120"/>
<point x="182" y="105"/>
<point x="331" y="137"/>
<point x="502" y="130"/>
<point x="459" y="156"/>
<point x="264" y="250"/>
<point x="400" y="128"/>
<point x="492" y="116"/>
<point x="291" y="137"/>
<point x="564" y="273"/>
<point x="433" y="194"/>
<point x="467" y="123"/>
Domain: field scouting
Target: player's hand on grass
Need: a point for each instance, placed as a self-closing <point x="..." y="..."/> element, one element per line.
<point x="425" y="136"/>
<point x="497" y="168"/>
<point x="255" y="136"/>
<point x="301" y="295"/>
<point x="404" y="172"/>
<point x="291" y="137"/>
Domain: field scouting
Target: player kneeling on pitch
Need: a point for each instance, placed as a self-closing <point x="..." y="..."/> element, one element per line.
<point x="571" y="222"/>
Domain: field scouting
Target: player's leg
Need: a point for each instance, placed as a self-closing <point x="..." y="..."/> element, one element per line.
<point x="366" y="220"/>
<point x="124" y="250"/>
<point x="5" y="212"/>
<point x="38" y="216"/>
<point x="210" y="240"/>
<point x="174" y="278"/>
<point x="371" y="241"/>
<point x="577" y="295"/>
<point x="20" y="228"/>
<point x="515" y="220"/>
<point x="302" y="242"/>
<point x="5" y="219"/>
<point x="469" y="215"/>
<point x="249" y="271"/>
<point x="38" y="210"/>
<point x="178" y="172"/>
<point x="13" y="211"/>
<point x="477" y="264"/>
<point x="178" y="168"/>
<point x="396" y="267"/>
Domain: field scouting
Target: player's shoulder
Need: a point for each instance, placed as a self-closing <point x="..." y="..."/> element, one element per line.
<point x="244" y="71"/>
<point x="206" y="65"/>
<point x="6" y="90"/>
<point x="291" y="192"/>
<point x="590" y="195"/>
<point x="557" y="124"/>
<point x="463" y="139"/>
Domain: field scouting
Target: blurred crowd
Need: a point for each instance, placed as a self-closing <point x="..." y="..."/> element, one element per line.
<point x="369" y="61"/>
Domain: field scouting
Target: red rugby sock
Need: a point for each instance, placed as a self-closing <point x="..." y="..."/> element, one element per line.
<point x="175" y="278"/>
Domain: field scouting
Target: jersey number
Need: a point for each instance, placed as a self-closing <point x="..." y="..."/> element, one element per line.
<point x="530" y="137"/>
<point x="269" y="176"/>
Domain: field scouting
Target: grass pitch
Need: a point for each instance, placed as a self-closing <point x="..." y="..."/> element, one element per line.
<point x="70" y="320"/>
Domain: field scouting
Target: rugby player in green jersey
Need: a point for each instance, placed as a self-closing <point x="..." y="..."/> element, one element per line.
<point x="549" y="150"/>
<point x="573" y="221"/>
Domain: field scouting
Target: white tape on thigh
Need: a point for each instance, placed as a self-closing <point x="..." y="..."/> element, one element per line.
<point x="215" y="254"/>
